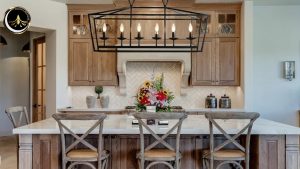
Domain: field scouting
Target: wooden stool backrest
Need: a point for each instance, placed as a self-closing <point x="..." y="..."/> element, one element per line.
<point x="98" y="117"/>
<point x="160" y="140"/>
<point x="18" y="116"/>
<point x="212" y="117"/>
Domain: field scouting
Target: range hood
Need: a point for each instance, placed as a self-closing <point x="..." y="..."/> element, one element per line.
<point x="183" y="57"/>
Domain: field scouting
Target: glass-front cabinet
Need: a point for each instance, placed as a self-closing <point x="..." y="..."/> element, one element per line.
<point x="227" y="24"/>
<point x="79" y="25"/>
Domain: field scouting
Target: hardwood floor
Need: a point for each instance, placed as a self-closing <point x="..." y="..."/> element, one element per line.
<point x="8" y="152"/>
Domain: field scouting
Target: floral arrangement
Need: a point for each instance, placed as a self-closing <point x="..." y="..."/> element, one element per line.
<point x="153" y="93"/>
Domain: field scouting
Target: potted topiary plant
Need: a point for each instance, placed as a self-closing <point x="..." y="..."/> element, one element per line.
<point x="98" y="90"/>
<point x="104" y="100"/>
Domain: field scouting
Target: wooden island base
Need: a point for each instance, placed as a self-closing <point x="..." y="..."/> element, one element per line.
<point x="267" y="151"/>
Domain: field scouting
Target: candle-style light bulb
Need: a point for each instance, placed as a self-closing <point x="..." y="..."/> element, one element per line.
<point x="121" y="28"/>
<point x="104" y="28"/>
<point x="190" y="27"/>
<point x="173" y="28"/>
<point x="156" y="28"/>
<point x="139" y="27"/>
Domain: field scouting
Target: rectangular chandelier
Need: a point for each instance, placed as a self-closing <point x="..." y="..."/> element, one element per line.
<point x="148" y="29"/>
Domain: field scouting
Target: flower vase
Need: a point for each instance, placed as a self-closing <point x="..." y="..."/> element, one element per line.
<point x="151" y="109"/>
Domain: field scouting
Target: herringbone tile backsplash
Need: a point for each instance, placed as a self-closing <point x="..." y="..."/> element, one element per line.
<point x="138" y="72"/>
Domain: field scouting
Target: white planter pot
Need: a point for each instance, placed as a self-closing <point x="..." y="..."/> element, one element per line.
<point x="104" y="101"/>
<point x="91" y="101"/>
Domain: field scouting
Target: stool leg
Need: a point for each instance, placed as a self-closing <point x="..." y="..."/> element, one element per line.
<point x="211" y="164"/>
<point x="204" y="163"/>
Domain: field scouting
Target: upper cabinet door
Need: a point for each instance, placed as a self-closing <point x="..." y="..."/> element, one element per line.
<point x="79" y="25"/>
<point x="203" y="65"/>
<point x="80" y="61"/>
<point x="104" y="69"/>
<point x="227" y="24"/>
<point x="228" y="62"/>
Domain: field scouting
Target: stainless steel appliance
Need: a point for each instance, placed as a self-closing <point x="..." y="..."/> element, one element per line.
<point x="225" y="102"/>
<point x="211" y="101"/>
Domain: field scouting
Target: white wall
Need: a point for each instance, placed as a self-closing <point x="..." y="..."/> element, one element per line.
<point x="14" y="77"/>
<point x="51" y="17"/>
<point x="276" y="39"/>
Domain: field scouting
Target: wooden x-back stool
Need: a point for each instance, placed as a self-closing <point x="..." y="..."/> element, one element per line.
<point x="167" y="155"/>
<point x="228" y="156"/>
<point x="87" y="155"/>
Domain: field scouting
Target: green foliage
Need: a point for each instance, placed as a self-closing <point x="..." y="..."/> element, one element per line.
<point x="98" y="90"/>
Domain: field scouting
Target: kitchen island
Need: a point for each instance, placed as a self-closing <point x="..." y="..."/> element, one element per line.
<point x="273" y="145"/>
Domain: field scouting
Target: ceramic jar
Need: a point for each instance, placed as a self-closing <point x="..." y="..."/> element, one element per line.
<point x="91" y="101"/>
<point x="104" y="101"/>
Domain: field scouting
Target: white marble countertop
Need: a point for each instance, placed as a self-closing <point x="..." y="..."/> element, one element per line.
<point x="107" y="110"/>
<point x="83" y="109"/>
<point x="194" y="124"/>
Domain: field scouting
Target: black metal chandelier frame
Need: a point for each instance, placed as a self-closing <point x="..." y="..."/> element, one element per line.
<point x="195" y="44"/>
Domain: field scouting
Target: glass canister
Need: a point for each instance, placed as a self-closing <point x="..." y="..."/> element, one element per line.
<point x="211" y="101"/>
<point x="225" y="102"/>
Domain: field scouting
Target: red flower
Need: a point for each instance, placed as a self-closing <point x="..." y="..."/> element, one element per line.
<point x="145" y="101"/>
<point x="161" y="96"/>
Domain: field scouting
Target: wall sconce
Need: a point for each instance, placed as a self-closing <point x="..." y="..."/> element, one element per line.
<point x="289" y="70"/>
<point x="26" y="47"/>
<point x="2" y="41"/>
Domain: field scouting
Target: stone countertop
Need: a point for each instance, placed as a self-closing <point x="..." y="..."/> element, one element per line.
<point x="110" y="110"/>
<point x="194" y="124"/>
<point x="83" y="109"/>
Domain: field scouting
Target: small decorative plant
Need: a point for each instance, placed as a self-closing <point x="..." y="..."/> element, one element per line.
<point x="153" y="93"/>
<point x="98" y="90"/>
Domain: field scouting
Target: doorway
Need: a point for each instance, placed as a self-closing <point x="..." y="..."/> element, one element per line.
<point x="39" y="79"/>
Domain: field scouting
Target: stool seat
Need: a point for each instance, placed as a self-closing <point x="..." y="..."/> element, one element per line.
<point x="225" y="154"/>
<point x="159" y="154"/>
<point x="86" y="154"/>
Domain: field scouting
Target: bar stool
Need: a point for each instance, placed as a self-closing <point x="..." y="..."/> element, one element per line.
<point x="226" y="156"/>
<point x="18" y="116"/>
<point x="167" y="155"/>
<point x="83" y="156"/>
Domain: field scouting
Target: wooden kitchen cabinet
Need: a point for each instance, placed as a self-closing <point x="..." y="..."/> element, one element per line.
<point x="80" y="62"/>
<point x="104" y="69"/>
<point x="227" y="62"/>
<point x="203" y="64"/>
<point x="89" y="68"/>
<point x="218" y="64"/>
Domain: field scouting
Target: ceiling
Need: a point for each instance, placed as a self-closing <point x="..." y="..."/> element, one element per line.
<point x="256" y="2"/>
